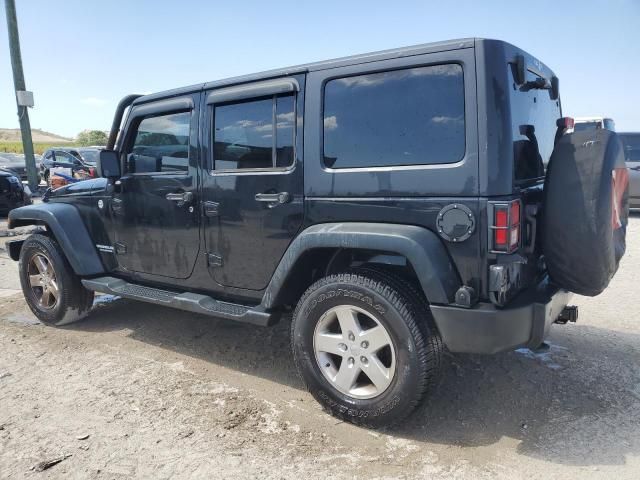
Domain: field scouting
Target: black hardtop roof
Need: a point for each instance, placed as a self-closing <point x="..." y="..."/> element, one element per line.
<point x="433" y="47"/>
<point x="322" y="65"/>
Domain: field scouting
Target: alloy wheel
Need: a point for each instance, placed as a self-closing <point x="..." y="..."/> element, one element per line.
<point x="354" y="352"/>
<point x="43" y="281"/>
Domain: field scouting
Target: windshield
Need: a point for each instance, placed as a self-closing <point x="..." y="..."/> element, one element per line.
<point x="90" y="156"/>
<point x="533" y="123"/>
<point x="582" y="126"/>
<point x="631" y="144"/>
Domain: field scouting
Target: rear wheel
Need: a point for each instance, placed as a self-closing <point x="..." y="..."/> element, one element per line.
<point x="51" y="288"/>
<point x="365" y="347"/>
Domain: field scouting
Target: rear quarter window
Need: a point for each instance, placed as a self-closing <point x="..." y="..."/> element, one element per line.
<point x="412" y="116"/>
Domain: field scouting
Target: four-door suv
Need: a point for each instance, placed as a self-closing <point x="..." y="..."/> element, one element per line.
<point x="392" y="204"/>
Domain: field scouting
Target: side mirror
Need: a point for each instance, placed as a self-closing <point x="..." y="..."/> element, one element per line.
<point x="108" y="165"/>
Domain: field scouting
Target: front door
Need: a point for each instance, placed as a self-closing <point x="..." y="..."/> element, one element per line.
<point x="155" y="201"/>
<point x="252" y="196"/>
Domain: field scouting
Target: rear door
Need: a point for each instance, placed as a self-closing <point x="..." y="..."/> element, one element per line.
<point x="156" y="222"/>
<point x="252" y="192"/>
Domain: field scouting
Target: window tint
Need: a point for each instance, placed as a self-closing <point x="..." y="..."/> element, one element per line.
<point x="246" y="135"/>
<point x="285" y="122"/>
<point x="161" y="144"/>
<point x="533" y="127"/>
<point x="402" y="117"/>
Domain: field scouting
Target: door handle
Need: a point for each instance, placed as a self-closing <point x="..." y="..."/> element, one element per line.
<point x="180" y="198"/>
<point x="279" y="198"/>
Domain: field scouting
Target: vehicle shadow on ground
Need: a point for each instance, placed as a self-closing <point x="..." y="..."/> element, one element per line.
<point x="577" y="404"/>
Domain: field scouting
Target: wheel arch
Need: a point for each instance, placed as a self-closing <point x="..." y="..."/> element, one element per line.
<point x="65" y="224"/>
<point x="321" y="249"/>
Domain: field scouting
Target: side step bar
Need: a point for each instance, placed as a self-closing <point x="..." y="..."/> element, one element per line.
<point x="191" y="302"/>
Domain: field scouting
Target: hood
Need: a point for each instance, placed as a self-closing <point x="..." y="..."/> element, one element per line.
<point x="91" y="186"/>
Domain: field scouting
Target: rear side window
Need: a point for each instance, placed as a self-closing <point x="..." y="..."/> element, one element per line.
<point x="412" y="116"/>
<point x="255" y="134"/>
<point x="161" y="144"/>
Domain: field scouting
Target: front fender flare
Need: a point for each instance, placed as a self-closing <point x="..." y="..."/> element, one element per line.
<point x="66" y="225"/>
<point x="422" y="248"/>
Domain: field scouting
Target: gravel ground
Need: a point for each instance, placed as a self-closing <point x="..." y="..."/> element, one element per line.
<point x="142" y="391"/>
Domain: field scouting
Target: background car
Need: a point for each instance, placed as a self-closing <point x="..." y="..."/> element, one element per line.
<point x="13" y="193"/>
<point x="14" y="163"/>
<point x="65" y="158"/>
<point x="631" y="144"/>
<point x="594" y="123"/>
<point x="88" y="155"/>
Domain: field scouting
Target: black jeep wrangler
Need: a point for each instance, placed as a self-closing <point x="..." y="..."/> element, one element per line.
<point x="394" y="204"/>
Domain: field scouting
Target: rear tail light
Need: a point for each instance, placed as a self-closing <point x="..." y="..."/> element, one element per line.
<point x="565" y="122"/>
<point x="505" y="226"/>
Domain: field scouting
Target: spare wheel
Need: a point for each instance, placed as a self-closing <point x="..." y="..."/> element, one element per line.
<point x="585" y="211"/>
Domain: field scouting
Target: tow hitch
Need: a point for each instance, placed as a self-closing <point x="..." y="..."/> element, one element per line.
<point x="568" y="314"/>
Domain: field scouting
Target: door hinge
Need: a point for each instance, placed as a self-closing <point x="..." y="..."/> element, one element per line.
<point x="214" y="260"/>
<point x="120" y="247"/>
<point x="211" y="209"/>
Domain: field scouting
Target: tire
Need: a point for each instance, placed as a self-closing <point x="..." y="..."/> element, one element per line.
<point x="51" y="288"/>
<point x="411" y="360"/>
<point x="585" y="211"/>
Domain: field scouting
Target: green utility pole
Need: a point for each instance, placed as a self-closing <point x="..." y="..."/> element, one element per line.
<point x="20" y="88"/>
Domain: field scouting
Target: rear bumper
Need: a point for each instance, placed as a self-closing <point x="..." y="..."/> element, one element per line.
<point x="525" y="322"/>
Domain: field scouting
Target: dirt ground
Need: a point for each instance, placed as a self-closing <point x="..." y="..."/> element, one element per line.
<point x="143" y="391"/>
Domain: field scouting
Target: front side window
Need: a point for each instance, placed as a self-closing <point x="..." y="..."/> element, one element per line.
<point x="413" y="116"/>
<point x="161" y="144"/>
<point x="255" y="134"/>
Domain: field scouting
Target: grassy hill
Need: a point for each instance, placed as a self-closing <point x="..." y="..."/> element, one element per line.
<point x="39" y="136"/>
<point x="11" y="140"/>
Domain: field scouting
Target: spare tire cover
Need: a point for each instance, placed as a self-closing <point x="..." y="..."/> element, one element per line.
<point x="585" y="211"/>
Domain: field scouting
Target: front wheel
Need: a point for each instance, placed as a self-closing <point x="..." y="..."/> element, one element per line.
<point x="51" y="288"/>
<point x="366" y="346"/>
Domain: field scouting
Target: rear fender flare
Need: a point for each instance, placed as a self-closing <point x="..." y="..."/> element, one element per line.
<point x="422" y="248"/>
<point x="65" y="223"/>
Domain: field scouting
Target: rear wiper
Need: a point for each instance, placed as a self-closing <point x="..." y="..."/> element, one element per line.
<point x="539" y="83"/>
